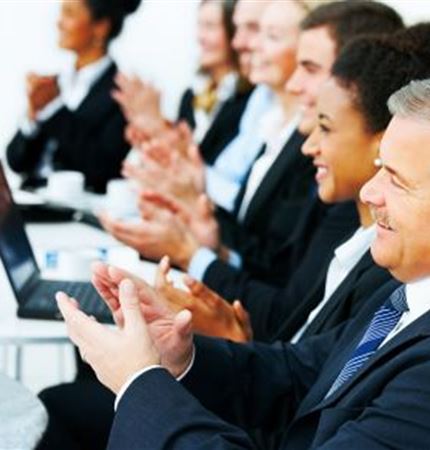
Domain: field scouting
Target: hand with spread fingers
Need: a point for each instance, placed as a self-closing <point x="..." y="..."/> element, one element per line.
<point x="149" y="332"/>
<point x="188" y="163"/>
<point x="166" y="170"/>
<point x="117" y="354"/>
<point x="199" y="219"/>
<point x="212" y="315"/>
<point x="159" y="232"/>
<point x="138" y="100"/>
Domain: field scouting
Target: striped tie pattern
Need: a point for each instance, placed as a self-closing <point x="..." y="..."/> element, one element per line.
<point x="383" y="322"/>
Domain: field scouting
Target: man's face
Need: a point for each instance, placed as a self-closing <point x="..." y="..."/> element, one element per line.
<point x="316" y="54"/>
<point x="399" y="196"/>
<point x="246" y="18"/>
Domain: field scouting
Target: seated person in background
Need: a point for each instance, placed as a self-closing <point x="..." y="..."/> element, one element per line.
<point x="353" y="114"/>
<point x="214" y="104"/>
<point x="273" y="253"/>
<point x="363" y="385"/>
<point x="352" y="119"/>
<point x="282" y="178"/>
<point x="223" y="178"/>
<point x="72" y="123"/>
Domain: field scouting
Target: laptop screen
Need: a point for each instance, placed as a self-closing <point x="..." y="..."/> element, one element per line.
<point x="15" y="249"/>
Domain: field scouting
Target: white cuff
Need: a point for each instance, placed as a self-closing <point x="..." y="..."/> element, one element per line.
<point x="129" y="381"/>
<point x="50" y="109"/>
<point x="234" y="259"/>
<point x="200" y="262"/>
<point x="137" y="374"/>
<point x="28" y="127"/>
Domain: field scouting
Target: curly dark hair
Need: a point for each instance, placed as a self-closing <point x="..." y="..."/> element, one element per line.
<point x="346" y="20"/>
<point x="374" y="67"/>
<point x="114" y="10"/>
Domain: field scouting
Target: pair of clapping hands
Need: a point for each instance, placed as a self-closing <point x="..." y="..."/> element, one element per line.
<point x="154" y="324"/>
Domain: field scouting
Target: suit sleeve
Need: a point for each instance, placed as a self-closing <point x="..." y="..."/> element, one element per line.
<point x="230" y="387"/>
<point x="23" y="153"/>
<point x="397" y="418"/>
<point x="96" y="150"/>
<point x="157" y="413"/>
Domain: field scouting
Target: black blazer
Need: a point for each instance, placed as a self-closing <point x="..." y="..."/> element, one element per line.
<point x="224" y="127"/>
<point x="302" y="261"/>
<point x="386" y="404"/>
<point x="274" y="210"/>
<point x="90" y="139"/>
<point x="343" y="304"/>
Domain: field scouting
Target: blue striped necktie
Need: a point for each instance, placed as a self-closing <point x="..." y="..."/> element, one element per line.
<point x="383" y="322"/>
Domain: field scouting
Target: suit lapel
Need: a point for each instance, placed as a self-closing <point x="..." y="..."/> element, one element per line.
<point x="242" y="191"/>
<point x="105" y="83"/>
<point x="287" y="157"/>
<point x="342" y="291"/>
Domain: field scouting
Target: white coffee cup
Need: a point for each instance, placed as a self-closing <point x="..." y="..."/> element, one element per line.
<point x="65" y="185"/>
<point x="76" y="264"/>
<point x="121" y="200"/>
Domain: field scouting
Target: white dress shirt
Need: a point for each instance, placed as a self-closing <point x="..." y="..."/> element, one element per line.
<point x="346" y="257"/>
<point x="275" y="132"/>
<point x="225" y="90"/>
<point x="418" y="299"/>
<point x="225" y="178"/>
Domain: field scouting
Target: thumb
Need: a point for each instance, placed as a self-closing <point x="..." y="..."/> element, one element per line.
<point x="183" y="324"/>
<point x="130" y="305"/>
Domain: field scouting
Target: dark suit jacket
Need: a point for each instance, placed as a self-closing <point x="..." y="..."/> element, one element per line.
<point x="386" y="404"/>
<point x="304" y="258"/>
<point x="274" y="210"/>
<point x="225" y="125"/>
<point x="343" y="304"/>
<point x="90" y="139"/>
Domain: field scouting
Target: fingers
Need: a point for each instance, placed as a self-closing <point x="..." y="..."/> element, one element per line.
<point x="81" y="328"/>
<point x="162" y="272"/>
<point x="130" y="305"/>
<point x="161" y="200"/>
<point x="183" y="324"/>
<point x="244" y="320"/>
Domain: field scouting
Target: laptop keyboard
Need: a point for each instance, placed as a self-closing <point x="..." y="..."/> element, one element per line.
<point x="89" y="300"/>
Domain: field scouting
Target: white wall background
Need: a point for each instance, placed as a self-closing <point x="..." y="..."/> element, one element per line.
<point x="157" y="43"/>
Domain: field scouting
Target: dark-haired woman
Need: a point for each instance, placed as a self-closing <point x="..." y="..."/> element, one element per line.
<point x="72" y="123"/>
<point x="214" y="103"/>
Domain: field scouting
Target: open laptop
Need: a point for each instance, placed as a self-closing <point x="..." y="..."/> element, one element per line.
<point x="35" y="295"/>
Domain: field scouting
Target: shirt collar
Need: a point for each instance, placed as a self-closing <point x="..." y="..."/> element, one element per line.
<point x="418" y="296"/>
<point x="354" y="248"/>
<point x="88" y="75"/>
<point x="225" y="89"/>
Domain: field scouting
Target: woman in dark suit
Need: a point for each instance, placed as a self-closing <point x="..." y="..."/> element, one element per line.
<point x="72" y="123"/>
<point x="214" y="104"/>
